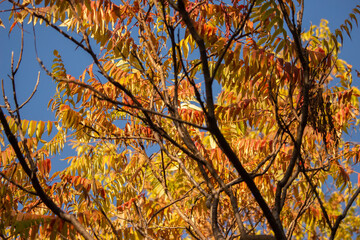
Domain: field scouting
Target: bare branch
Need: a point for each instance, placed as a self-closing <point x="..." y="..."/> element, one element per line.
<point x="31" y="95"/>
<point x="344" y="213"/>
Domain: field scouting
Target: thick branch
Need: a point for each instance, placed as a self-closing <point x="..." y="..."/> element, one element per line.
<point x="214" y="218"/>
<point x="301" y="54"/>
<point x="214" y="129"/>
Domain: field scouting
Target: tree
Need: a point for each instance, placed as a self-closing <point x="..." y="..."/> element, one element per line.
<point x="160" y="152"/>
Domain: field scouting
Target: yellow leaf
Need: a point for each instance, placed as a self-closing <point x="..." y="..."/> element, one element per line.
<point x="185" y="47"/>
<point x="32" y="128"/>
<point x="49" y="127"/>
<point x="24" y="126"/>
<point x="40" y="129"/>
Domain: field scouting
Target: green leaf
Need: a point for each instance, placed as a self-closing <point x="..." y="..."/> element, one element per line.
<point x="280" y="46"/>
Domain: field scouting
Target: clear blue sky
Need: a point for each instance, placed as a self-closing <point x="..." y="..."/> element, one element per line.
<point x="76" y="60"/>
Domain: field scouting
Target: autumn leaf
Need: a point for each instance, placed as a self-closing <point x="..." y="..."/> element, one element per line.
<point x="155" y="149"/>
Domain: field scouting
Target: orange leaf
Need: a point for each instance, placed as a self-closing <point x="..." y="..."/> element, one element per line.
<point x="11" y="28"/>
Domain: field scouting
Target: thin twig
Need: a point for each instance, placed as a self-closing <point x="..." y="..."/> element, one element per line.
<point x="18" y="185"/>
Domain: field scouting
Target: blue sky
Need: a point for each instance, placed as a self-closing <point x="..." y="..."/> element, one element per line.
<point x="76" y="60"/>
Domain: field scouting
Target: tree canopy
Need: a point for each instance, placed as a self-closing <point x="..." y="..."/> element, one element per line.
<point x="196" y="120"/>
